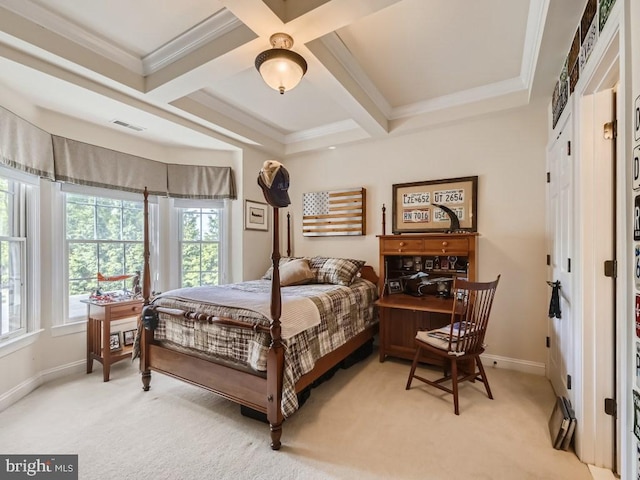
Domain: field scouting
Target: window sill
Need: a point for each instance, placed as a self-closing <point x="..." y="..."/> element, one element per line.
<point x="13" y="345"/>
<point x="69" y="328"/>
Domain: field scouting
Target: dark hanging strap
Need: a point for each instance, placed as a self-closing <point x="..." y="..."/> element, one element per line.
<point x="554" y="305"/>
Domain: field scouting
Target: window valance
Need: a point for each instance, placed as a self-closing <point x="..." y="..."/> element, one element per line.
<point x="200" y="182"/>
<point x="24" y="146"/>
<point x="84" y="164"/>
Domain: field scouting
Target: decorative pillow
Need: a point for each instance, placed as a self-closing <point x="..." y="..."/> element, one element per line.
<point x="336" y="271"/>
<point x="296" y="272"/>
<point x="269" y="272"/>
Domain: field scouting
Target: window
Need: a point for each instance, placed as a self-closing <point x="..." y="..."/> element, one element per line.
<point x="17" y="253"/>
<point x="103" y="235"/>
<point x="200" y="244"/>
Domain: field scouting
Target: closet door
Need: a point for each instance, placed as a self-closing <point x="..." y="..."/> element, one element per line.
<point x="560" y="241"/>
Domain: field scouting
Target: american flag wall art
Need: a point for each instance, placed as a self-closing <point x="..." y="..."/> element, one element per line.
<point x="334" y="213"/>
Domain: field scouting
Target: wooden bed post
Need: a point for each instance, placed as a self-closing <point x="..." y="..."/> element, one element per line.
<point x="288" y="234"/>
<point x="147" y="335"/>
<point x="275" y="357"/>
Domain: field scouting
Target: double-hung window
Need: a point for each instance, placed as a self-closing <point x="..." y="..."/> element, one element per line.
<point x="201" y="242"/>
<point x="104" y="234"/>
<point x="18" y="253"/>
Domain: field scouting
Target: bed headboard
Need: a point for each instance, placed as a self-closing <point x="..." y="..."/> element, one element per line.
<point x="368" y="273"/>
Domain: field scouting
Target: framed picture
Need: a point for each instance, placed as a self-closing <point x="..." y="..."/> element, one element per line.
<point x="128" y="337"/>
<point x="416" y="206"/>
<point x="395" y="286"/>
<point x="256" y="215"/>
<point x="114" y="342"/>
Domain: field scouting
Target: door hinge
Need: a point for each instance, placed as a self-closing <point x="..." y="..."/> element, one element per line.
<point x="548" y="177"/>
<point x="569" y="265"/>
<point x="548" y="259"/>
<point x="611" y="130"/>
<point x="611" y="268"/>
<point x="610" y="407"/>
<point x="548" y="342"/>
<point x="568" y="382"/>
<point x="569" y="147"/>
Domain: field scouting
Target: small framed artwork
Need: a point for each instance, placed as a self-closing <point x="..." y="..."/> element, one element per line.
<point x="114" y="342"/>
<point x="128" y="337"/>
<point x="256" y="215"/>
<point x="428" y="264"/>
<point x="395" y="286"/>
<point x="435" y="206"/>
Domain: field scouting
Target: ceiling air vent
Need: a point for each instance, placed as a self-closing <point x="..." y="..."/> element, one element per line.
<point x="128" y="125"/>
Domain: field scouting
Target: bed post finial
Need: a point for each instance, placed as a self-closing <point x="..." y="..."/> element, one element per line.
<point x="384" y="219"/>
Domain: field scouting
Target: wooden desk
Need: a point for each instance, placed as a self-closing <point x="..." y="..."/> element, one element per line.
<point x="99" y="318"/>
<point x="402" y="316"/>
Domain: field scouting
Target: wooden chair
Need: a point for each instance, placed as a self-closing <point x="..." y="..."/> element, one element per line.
<point x="462" y="341"/>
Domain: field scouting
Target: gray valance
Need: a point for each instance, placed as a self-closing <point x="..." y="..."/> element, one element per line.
<point x="24" y="146"/>
<point x="84" y="164"/>
<point x="196" y="181"/>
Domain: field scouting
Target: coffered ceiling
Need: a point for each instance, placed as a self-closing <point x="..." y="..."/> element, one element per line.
<point x="183" y="71"/>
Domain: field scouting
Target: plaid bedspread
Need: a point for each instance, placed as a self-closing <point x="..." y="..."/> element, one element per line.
<point x="344" y="312"/>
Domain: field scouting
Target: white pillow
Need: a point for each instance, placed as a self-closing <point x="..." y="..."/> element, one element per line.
<point x="295" y="272"/>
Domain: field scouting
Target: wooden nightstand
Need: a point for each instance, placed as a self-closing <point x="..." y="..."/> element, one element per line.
<point x="99" y="318"/>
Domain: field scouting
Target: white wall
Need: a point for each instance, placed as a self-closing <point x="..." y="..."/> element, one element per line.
<point x="507" y="152"/>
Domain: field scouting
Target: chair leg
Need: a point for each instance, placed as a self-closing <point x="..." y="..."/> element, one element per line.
<point x="454" y="385"/>
<point x="484" y="377"/>
<point x="413" y="368"/>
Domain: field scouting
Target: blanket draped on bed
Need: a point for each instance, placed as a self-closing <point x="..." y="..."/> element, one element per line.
<point x="343" y="313"/>
<point x="297" y="313"/>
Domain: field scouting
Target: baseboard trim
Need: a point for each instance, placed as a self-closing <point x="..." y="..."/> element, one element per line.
<point x="525" y="366"/>
<point x="29" y="385"/>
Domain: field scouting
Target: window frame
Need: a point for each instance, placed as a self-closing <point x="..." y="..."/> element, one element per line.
<point x="177" y="205"/>
<point x="29" y="222"/>
<point x="61" y="235"/>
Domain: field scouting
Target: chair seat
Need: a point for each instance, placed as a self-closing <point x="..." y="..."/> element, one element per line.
<point x="437" y="342"/>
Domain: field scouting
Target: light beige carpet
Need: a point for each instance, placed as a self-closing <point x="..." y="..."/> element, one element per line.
<point x="362" y="424"/>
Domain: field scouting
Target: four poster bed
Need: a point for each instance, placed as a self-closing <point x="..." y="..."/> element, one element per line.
<point x="261" y="345"/>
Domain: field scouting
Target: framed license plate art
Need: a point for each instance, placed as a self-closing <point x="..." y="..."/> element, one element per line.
<point x="416" y="206"/>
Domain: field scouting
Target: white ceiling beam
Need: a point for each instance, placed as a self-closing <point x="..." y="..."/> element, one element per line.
<point x="337" y="81"/>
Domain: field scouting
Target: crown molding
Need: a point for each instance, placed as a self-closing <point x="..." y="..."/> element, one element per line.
<point x="215" y="26"/>
<point x="217" y="105"/>
<point x="485" y="92"/>
<point x="322" y="131"/>
<point x="73" y="32"/>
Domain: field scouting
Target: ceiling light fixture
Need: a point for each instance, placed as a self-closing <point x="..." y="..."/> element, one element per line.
<point x="281" y="68"/>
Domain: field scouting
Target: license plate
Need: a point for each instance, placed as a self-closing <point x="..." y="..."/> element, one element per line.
<point x="449" y="196"/>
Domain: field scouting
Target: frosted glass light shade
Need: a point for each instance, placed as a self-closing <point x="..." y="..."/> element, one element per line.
<point x="280" y="68"/>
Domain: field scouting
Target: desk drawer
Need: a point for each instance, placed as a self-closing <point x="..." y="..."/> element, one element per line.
<point x="447" y="246"/>
<point x="402" y="245"/>
<point x="124" y="311"/>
